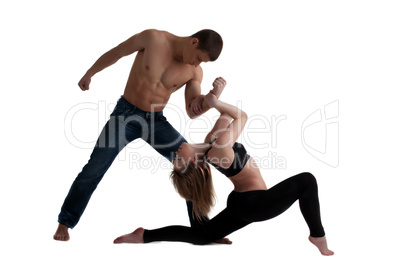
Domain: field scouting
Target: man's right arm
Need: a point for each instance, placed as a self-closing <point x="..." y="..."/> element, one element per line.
<point x="131" y="45"/>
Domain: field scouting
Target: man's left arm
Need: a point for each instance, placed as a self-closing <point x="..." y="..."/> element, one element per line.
<point x="195" y="104"/>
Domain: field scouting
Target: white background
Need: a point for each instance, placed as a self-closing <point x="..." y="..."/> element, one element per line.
<point x="279" y="58"/>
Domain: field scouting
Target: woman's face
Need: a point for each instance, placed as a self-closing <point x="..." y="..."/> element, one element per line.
<point x="184" y="155"/>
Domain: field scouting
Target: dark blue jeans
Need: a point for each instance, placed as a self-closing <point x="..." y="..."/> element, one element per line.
<point x="127" y="123"/>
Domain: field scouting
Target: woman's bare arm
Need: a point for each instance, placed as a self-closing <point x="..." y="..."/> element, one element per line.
<point x="227" y="136"/>
<point x="220" y="126"/>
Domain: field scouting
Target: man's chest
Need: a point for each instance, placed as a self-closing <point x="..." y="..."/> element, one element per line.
<point x="161" y="69"/>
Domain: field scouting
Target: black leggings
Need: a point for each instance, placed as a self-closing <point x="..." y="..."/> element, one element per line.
<point x="244" y="208"/>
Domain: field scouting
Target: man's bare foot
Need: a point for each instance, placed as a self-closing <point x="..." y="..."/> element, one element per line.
<point x="321" y="244"/>
<point x="135" y="237"/>
<point x="61" y="233"/>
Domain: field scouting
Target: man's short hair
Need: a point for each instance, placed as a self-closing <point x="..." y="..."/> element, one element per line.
<point x="210" y="42"/>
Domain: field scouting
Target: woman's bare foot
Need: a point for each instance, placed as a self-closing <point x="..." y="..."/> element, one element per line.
<point x="321" y="244"/>
<point x="224" y="241"/>
<point x="61" y="233"/>
<point x="135" y="237"/>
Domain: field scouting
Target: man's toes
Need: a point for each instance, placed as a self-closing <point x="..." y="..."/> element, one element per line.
<point x="61" y="237"/>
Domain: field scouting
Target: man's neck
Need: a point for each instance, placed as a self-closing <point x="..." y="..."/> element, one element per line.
<point x="178" y="44"/>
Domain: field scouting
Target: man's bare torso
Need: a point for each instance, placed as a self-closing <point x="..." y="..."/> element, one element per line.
<point x="155" y="74"/>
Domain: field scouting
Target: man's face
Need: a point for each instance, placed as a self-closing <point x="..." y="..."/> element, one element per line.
<point x="194" y="56"/>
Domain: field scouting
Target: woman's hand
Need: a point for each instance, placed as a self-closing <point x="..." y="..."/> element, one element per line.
<point x="196" y="105"/>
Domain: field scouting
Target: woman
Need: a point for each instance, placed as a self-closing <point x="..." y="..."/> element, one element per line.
<point x="250" y="201"/>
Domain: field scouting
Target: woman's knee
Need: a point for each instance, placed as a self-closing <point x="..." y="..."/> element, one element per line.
<point x="308" y="179"/>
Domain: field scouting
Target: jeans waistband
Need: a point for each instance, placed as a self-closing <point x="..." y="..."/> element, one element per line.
<point x="135" y="108"/>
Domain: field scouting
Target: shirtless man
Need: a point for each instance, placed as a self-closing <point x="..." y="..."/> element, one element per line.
<point x="164" y="63"/>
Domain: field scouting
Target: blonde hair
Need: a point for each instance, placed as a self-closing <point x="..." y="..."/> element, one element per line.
<point x="194" y="183"/>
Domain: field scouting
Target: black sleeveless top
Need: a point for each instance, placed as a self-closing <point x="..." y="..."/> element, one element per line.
<point x="240" y="159"/>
